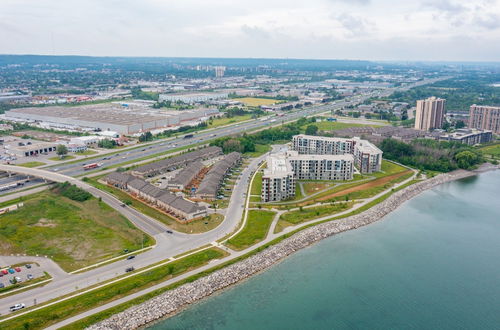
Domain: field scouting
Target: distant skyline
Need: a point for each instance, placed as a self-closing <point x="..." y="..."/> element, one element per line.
<point x="420" y="30"/>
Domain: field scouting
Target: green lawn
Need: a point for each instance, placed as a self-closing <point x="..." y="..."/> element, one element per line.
<point x="310" y="213"/>
<point x="333" y="125"/>
<point x="298" y="192"/>
<point x="57" y="158"/>
<point x="74" y="234"/>
<point x="493" y="150"/>
<point x="47" y="316"/>
<point x="227" y="121"/>
<point x="255" y="230"/>
<point x="87" y="152"/>
<point x="256" y="184"/>
<point x="260" y="149"/>
<point x="31" y="164"/>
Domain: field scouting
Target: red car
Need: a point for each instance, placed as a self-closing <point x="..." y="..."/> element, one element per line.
<point x="17" y="269"/>
<point x="5" y="271"/>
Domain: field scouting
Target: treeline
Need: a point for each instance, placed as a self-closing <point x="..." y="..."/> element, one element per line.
<point x="246" y="142"/>
<point x="71" y="191"/>
<point x="432" y="155"/>
<point x="138" y="93"/>
<point x="148" y="136"/>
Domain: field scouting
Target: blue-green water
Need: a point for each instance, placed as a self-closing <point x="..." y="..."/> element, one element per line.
<point x="432" y="264"/>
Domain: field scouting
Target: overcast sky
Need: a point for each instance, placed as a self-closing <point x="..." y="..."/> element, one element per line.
<point x="454" y="30"/>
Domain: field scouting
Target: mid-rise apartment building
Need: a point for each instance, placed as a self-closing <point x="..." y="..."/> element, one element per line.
<point x="485" y="117"/>
<point x="278" y="182"/>
<point x="429" y="113"/>
<point x="321" y="167"/>
<point x="367" y="157"/>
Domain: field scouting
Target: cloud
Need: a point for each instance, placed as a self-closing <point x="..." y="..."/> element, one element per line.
<point x="445" y="6"/>
<point x="490" y="21"/>
<point x="355" y="25"/>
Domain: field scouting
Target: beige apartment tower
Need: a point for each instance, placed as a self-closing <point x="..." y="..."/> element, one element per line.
<point x="429" y="113"/>
<point x="485" y="117"/>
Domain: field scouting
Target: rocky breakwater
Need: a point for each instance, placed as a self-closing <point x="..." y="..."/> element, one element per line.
<point x="174" y="300"/>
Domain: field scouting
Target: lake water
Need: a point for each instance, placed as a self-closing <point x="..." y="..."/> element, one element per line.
<point x="432" y="264"/>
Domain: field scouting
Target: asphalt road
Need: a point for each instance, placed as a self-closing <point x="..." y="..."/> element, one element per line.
<point x="167" y="245"/>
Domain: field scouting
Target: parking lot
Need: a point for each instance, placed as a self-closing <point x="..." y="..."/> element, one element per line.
<point x="19" y="274"/>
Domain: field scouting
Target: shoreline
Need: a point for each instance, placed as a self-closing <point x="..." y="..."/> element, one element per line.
<point x="174" y="301"/>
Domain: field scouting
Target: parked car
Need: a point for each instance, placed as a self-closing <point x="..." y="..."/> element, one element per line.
<point x="30" y="277"/>
<point x="17" y="269"/>
<point x="12" y="271"/>
<point x="130" y="257"/>
<point x="2" y="286"/>
<point x="18" y="279"/>
<point x="28" y="266"/>
<point x="17" y="307"/>
<point x="12" y="281"/>
<point x="129" y="269"/>
<point x="5" y="271"/>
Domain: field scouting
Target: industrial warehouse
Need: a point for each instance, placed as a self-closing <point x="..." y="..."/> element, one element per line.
<point x="122" y="118"/>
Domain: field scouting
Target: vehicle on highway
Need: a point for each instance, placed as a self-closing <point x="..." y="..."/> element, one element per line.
<point x="169" y="232"/>
<point x="129" y="269"/>
<point x="55" y="169"/>
<point x="12" y="271"/>
<point x="29" y="277"/>
<point x="91" y="166"/>
<point x="188" y="136"/>
<point x="130" y="257"/>
<point x="17" y="307"/>
<point x="17" y="269"/>
<point x="123" y="205"/>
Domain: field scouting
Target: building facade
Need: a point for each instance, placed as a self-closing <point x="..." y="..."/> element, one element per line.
<point x="278" y="182"/>
<point x="322" y="167"/>
<point x="429" y="113"/>
<point x="485" y="117"/>
<point x="367" y="157"/>
<point x="468" y="136"/>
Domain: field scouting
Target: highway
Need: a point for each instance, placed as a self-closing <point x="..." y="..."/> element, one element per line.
<point x="167" y="245"/>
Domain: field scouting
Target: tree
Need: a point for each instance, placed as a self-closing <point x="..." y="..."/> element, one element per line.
<point x="460" y="124"/>
<point x="311" y="130"/>
<point x="61" y="150"/>
<point x="107" y="143"/>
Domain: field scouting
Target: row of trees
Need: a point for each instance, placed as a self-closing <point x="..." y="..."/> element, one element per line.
<point x="432" y="155"/>
<point x="71" y="191"/>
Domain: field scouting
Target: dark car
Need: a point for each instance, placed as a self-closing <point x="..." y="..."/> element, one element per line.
<point x="169" y="232"/>
<point x="28" y="266"/>
<point x="130" y="257"/>
<point x="129" y="269"/>
<point x="2" y="286"/>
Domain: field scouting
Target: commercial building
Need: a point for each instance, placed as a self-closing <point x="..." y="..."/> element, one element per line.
<point x="485" y="117"/>
<point x="468" y="136"/>
<point x="123" y="118"/>
<point x="172" y="163"/>
<point x="219" y="71"/>
<point x="176" y="206"/>
<point x="191" y="98"/>
<point x="321" y="167"/>
<point x="26" y="149"/>
<point x="212" y="182"/>
<point x="278" y="181"/>
<point x="429" y="113"/>
<point x="367" y="157"/>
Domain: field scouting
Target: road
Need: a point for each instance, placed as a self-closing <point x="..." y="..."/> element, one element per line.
<point x="167" y="245"/>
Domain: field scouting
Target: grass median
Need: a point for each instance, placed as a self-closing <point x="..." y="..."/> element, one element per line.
<point x="255" y="230"/>
<point x="49" y="315"/>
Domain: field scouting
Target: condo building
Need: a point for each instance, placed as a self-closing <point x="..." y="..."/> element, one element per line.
<point x="367" y="157"/>
<point x="485" y="117"/>
<point x="278" y="182"/>
<point x="429" y="113"/>
<point x="321" y="167"/>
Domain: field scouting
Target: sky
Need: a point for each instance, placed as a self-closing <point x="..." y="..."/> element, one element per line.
<point x="410" y="30"/>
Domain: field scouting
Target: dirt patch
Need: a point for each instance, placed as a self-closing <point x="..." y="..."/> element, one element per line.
<point x="364" y="186"/>
<point x="43" y="222"/>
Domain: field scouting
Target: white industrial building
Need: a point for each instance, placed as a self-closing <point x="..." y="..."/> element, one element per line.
<point x="191" y="98"/>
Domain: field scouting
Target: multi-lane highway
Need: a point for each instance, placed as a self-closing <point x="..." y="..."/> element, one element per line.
<point x="167" y="245"/>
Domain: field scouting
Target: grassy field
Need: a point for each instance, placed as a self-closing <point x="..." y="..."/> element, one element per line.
<point x="74" y="234"/>
<point x="31" y="164"/>
<point x="87" y="152"/>
<point x="256" y="102"/>
<point x="306" y="214"/>
<point x="260" y="149"/>
<point x="493" y="150"/>
<point x="226" y="121"/>
<point x="256" y="184"/>
<point x="57" y="158"/>
<point x="313" y="187"/>
<point x="333" y="125"/>
<point x="193" y="227"/>
<point x="53" y="314"/>
<point x="255" y="230"/>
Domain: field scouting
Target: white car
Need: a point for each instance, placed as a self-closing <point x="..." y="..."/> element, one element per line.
<point x="17" y="307"/>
